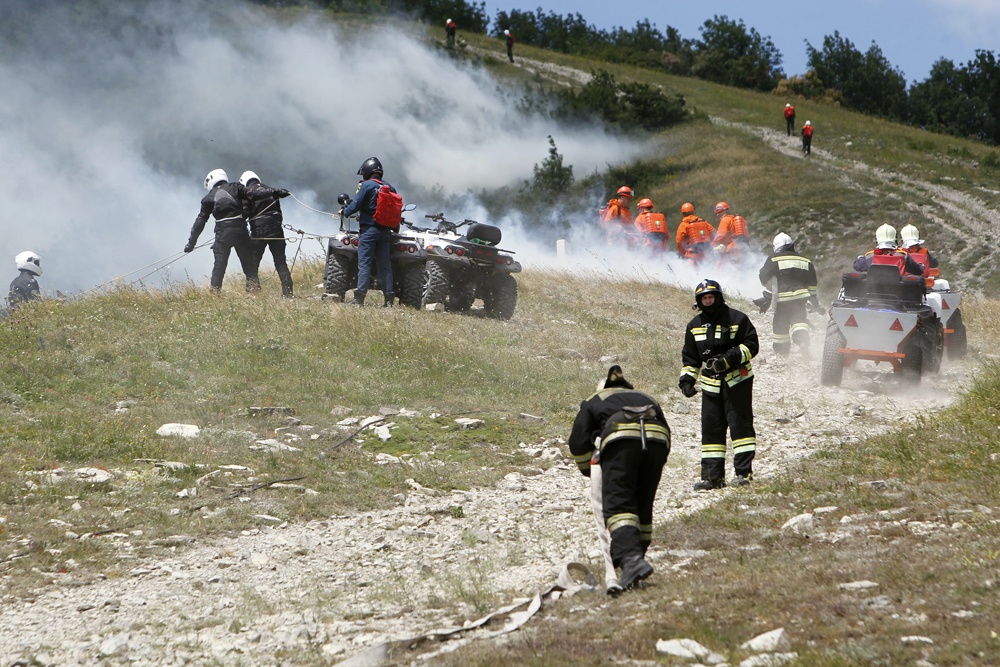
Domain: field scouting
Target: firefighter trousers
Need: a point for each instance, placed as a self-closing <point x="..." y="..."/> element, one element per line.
<point x="630" y="477"/>
<point x="790" y="325"/>
<point x="731" y="409"/>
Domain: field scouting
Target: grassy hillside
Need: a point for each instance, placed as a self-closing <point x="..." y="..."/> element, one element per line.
<point x="87" y="382"/>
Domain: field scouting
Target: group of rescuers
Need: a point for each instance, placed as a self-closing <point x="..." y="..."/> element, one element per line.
<point x="620" y="437"/>
<point x="696" y="239"/>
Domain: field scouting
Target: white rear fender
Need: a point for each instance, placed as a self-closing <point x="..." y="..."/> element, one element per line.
<point x="874" y="330"/>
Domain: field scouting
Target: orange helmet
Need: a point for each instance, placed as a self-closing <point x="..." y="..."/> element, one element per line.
<point x="625" y="191"/>
<point x="645" y="203"/>
<point x="687" y="207"/>
<point x="720" y="207"/>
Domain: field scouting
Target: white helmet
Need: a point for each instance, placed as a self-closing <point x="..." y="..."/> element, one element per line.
<point x="809" y="122"/>
<point x="506" y="32"/>
<point x="885" y="234"/>
<point x="29" y="261"/>
<point x="781" y="240"/>
<point x="215" y="176"/>
<point x="248" y="176"/>
<point x="910" y="236"/>
<point x="788" y="105"/>
<point x="448" y="21"/>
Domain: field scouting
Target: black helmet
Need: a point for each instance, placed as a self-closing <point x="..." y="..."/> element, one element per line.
<point x="708" y="286"/>
<point x="370" y="167"/>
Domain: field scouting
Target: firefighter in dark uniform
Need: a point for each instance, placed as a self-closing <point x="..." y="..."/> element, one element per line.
<point x="624" y="431"/>
<point x="225" y="201"/>
<point x="264" y="216"/>
<point x="795" y="284"/>
<point x="724" y="340"/>
<point x="24" y="288"/>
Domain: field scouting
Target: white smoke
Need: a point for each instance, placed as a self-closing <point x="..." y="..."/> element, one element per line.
<point x="113" y="113"/>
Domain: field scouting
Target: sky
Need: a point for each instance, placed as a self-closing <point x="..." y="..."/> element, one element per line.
<point x="912" y="34"/>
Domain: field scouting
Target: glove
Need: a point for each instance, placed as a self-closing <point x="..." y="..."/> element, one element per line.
<point x="717" y="364"/>
<point x="815" y="308"/>
<point x="687" y="388"/>
<point x="189" y="247"/>
<point x="281" y="194"/>
<point x="763" y="302"/>
<point x="720" y="248"/>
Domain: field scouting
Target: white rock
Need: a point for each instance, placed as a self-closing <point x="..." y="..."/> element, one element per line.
<point x="916" y="639"/>
<point x="114" y="645"/>
<point x="800" y="525"/>
<point x="93" y="475"/>
<point x="272" y="445"/>
<point x="857" y="585"/>
<point x="774" y="640"/>
<point x="179" y="430"/>
<point x="467" y="424"/>
<point x="769" y="660"/>
<point x="435" y="307"/>
<point x="825" y="510"/>
<point x="383" y="432"/>
<point x="682" y="648"/>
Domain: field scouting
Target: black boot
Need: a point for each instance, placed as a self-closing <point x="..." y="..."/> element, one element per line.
<point x="709" y="484"/>
<point x="634" y="570"/>
<point x="359" y="298"/>
<point x="388" y="300"/>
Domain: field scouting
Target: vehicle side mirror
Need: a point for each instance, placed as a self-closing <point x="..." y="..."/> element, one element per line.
<point x="409" y="207"/>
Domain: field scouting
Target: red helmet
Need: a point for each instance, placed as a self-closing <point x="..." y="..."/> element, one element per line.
<point x="687" y="207"/>
<point x="720" y="207"/>
<point x="645" y="203"/>
<point x="625" y="191"/>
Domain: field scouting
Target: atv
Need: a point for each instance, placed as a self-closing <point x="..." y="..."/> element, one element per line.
<point x="463" y="267"/>
<point x="945" y="303"/>
<point x="883" y="316"/>
<point x="407" y="258"/>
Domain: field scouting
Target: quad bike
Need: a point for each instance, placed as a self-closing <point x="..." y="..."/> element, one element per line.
<point x="463" y="267"/>
<point x="883" y="316"/>
<point x="407" y="257"/>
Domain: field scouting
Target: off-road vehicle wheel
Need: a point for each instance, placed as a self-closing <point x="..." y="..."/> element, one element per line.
<point x="932" y="346"/>
<point x="501" y="296"/>
<point x="436" y="284"/>
<point x="337" y="276"/>
<point x="958" y="345"/>
<point x="831" y="373"/>
<point x="912" y="364"/>
<point x="412" y="284"/>
<point x="462" y="294"/>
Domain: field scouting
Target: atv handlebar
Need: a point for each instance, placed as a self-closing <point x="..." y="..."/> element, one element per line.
<point x="444" y="225"/>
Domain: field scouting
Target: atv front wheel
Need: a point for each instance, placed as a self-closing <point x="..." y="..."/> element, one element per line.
<point x="337" y="276"/>
<point x="831" y="373"/>
<point x="436" y="284"/>
<point x="501" y="296"/>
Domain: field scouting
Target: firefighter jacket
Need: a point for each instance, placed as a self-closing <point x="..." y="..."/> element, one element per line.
<point x="694" y="236"/>
<point x="603" y="420"/>
<point x="731" y="228"/>
<point x="807" y="131"/>
<point x="263" y="212"/>
<point x="617" y="212"/>
<point x="921" y="256"/>
<point x="795" y="276"/>
<point x="789" y="112"/>
<point x="653" y="227"/>
<point x="722" y="331"/>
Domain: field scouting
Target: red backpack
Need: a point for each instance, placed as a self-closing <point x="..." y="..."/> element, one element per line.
<point x="388" y="207"/>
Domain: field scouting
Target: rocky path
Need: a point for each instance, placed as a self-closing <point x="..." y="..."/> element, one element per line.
<point x="327" y="590"/>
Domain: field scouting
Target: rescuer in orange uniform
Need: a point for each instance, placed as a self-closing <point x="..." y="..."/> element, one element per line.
<point x="616" y="217"/>
<point x="694" y="235"/>
<point x="733" y="236"/>
<point x="652" y="227"/>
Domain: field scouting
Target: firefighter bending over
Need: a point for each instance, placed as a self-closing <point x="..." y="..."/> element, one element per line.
<point x="694" y="235"/>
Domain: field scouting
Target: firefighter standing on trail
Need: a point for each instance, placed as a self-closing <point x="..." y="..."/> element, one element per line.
<point x="625" y="432"/>
<point x="509" y="37"/>
<point x="449" y="30"/>
<point x="795" y="278"/>
<point x="724" y="340"/>
<point x="264" y="216"/>
<point x="790" y="119"/>
<point x="225" y="201"/>
<point x="652" y="226"/>
<point x="616" y="217"/>
<point x="807" y="138"/>
<point x="694" y="235"/>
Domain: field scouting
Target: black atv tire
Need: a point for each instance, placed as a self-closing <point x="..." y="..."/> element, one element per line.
<point x="912" y="364"/>
<point x="958" y="344"/>
<point x="462" y="294"/>
<point x="411" y="285"/>
<point x="501" y="296"/>
<point x="436" y="284"/>
<point x="831" y="372"/>
<point x="337" y="276"/>
<point x="932" y="349"/>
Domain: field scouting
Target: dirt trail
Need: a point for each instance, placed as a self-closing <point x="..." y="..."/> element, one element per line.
<point x="327" y="590"/>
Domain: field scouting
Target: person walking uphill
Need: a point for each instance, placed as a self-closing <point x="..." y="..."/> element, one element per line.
<point x="807" y="138"/>
<point x="264" y="215"/>
<point x="790" y="120"/>
<point x="225" y="201"/>
<point x="510" y="44"/>
<point x="795" y="284"/>
<point x="724" y="340"/>
<point x="449" y="30"/>
<point x="625" y="432"/>
<point x="374" y="240"/>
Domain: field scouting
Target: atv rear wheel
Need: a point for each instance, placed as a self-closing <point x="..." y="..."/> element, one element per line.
<point x="501" y="296"/>
<point x="932" y="346"/>
<point x="912" y="363"/>
<point x="412" y="285"/>
<point x="337" y="276"/>
<point x="958" y="344"/>
<point x="436" y="284"/>
<point x="831" y="373"/>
